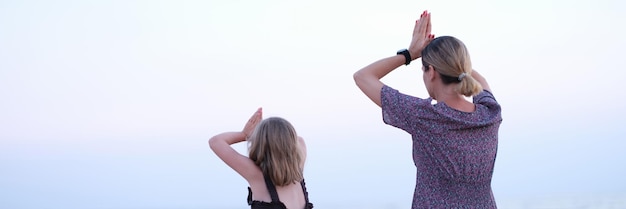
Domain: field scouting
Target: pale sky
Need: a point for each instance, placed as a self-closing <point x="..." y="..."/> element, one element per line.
<point x="109" y="104"/>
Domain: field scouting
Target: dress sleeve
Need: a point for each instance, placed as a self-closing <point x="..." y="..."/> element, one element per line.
<point x="400" y="110"/>
<point x="487" y="99"/>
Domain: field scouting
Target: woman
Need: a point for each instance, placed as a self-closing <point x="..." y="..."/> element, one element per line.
<point x="274" y="168"/>
<point x="454" y="140"/>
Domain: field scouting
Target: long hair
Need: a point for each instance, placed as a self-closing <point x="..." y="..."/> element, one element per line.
<point x="450" y="58"/>
<point x="273" y="147"/>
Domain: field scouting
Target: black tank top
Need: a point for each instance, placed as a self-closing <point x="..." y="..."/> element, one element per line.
<point x="276" y="203"/>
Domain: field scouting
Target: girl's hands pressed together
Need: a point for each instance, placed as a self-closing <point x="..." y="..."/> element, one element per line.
<point x="253" y="122"/>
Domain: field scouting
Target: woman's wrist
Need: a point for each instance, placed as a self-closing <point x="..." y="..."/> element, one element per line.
<point x="415" y="54"/>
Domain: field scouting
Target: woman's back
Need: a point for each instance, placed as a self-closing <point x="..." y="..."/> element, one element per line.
<point x="454" y="151"/>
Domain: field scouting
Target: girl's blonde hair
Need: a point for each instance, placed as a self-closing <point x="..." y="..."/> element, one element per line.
<point x="450" y="58"/>
<point x="273" y="146"/>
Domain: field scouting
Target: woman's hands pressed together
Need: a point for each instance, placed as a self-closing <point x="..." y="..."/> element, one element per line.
<point x="368" y="78"/>
<point x="421" y="35"/>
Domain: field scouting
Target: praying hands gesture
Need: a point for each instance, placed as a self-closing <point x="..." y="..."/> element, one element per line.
<point x="368" y="78"/>
<point x="221" y="145"/>
<point x="252" y="123"/>
<point x="421" y="36"/>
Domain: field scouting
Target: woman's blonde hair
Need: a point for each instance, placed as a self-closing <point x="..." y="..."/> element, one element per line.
<point x="450" y="58"/>
<point x="273" y="147"/>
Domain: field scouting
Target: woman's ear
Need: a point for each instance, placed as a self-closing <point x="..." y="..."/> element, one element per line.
<point x="431" y="73"/>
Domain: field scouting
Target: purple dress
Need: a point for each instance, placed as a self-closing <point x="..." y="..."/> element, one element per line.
<point x="454" y="151"/>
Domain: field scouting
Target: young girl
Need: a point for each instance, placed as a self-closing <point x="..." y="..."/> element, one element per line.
<point x="274" y="168"/>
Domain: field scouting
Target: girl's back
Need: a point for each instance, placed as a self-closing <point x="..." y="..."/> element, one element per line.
<point x="291" y="196"/>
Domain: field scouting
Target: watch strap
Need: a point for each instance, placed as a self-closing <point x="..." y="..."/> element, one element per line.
<point x="407" y="56"/>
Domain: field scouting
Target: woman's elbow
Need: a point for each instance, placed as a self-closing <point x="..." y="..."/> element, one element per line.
<point x="358" y="78"/>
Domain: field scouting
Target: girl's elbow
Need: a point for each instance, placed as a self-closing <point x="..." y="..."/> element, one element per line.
<point x="213" y="142"/>
<point x="355" y="76"/>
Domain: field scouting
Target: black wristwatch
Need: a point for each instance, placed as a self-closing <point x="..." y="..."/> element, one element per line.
<point x="407" y="56"/>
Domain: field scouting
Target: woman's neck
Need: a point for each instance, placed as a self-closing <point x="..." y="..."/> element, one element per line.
<point x="453" y="99"/>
